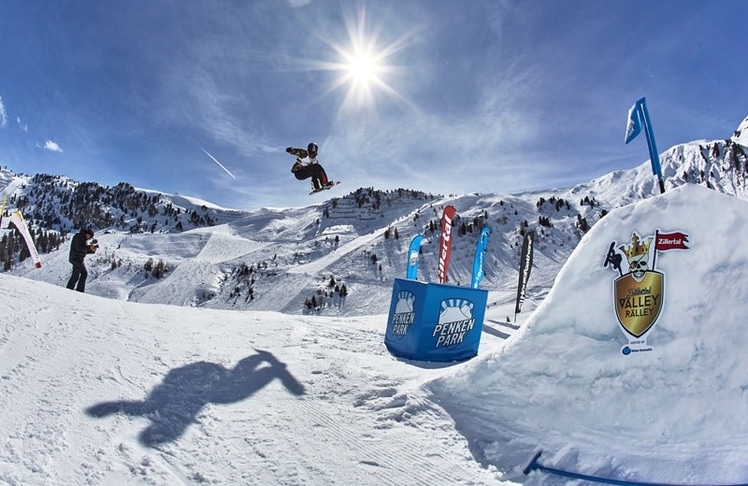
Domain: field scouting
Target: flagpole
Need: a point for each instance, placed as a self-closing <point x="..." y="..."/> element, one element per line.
<point x="654" y="157"/>
<point x="2" y="211"/>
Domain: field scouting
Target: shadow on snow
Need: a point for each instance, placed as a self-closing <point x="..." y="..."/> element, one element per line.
<point x="174" y="404"/>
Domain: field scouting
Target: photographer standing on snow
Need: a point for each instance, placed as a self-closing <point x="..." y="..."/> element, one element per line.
<point x="79" y="248"/>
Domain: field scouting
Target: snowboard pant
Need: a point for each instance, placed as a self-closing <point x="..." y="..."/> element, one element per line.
<point x="78" y="278"/>
<point x="315" y="171"/>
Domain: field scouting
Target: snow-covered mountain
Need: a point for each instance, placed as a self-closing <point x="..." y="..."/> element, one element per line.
<point x="278" y="259"/>
<point x="101" y="391"/>
<point x="98" y="391"/>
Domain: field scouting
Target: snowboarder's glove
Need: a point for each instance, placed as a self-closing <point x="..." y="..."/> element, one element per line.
<point x="296" y="167"/>
<point x="289" y="150"/>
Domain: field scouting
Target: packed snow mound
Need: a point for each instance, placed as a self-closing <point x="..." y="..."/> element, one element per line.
<point x="674" y="412"/>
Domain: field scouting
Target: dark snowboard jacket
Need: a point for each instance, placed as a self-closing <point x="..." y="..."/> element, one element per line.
<point x="78" y="248"/>
<point x="306" y="166"/>
<point x="298" y="152"/>
<point x="303" y="159"/>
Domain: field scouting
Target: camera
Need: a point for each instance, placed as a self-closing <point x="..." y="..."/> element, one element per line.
<point x="94" y="243"/>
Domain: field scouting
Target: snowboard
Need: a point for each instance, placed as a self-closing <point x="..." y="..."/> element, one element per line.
<point x="325" y="188"/>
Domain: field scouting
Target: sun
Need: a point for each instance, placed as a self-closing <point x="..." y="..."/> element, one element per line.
<point x="363" y="66"/>
<point x="363" y="71"/>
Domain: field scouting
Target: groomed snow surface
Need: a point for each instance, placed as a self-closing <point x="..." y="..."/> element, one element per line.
<point x="102" y="391"/>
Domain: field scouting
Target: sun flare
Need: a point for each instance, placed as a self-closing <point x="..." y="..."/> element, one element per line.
<point x="362" y="66"/>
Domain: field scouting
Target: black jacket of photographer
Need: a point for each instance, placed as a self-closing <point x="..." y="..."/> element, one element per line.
<point x="79" y="248"/>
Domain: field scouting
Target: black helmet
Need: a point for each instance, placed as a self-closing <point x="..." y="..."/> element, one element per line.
<point x="312" y="149"/>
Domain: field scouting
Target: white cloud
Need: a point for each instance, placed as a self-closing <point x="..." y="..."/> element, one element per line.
<point x="51" y="146"/>
<point x="3" y="115"/>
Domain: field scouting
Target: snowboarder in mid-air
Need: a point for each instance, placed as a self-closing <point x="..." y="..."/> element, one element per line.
<point x="307" y="165"/>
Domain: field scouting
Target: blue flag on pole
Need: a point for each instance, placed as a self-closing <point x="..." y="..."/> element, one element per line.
<point x="413" y="251"/>
<point x="634" y="126"/>
<point x="638" y="119"/>
<point x="480" y="256"/>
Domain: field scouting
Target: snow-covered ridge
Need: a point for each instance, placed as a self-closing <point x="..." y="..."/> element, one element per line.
<point x="741" y="134"/>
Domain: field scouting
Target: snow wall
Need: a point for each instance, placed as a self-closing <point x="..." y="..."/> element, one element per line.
<point x="625" y="375"/>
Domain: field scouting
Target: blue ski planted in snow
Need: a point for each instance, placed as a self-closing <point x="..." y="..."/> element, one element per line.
<point x="535" y="465"/>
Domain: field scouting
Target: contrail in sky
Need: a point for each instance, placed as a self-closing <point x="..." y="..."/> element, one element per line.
<point x="216" y="161"/>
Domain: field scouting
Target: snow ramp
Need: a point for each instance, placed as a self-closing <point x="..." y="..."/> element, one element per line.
<point x="623" y="376"/>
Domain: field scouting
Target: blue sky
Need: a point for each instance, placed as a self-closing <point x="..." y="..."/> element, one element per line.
<point x="445" y="96"/>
